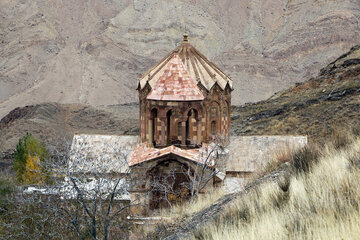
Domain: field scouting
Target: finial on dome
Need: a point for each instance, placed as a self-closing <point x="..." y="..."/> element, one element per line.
<point x="185" y="37"/>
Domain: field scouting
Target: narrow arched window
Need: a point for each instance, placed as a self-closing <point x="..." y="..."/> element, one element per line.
<point x="179" y="129"/>
<point x="168" y="126"/>
<point x="153" y="127"/>
<point x="213" y="128"/>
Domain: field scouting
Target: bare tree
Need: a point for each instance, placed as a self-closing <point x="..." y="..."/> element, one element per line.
<point x="186" y="181"/>
<point x="88" y="198"/>
<point x="212" y="159"/>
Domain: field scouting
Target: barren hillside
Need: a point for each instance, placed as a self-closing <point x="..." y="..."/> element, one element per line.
<point x="331" y="101"/>
<point x="55" y="124"/>
<point x="91" y="52"/>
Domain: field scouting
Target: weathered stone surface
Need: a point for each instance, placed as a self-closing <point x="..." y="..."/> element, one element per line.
<point x="92" y="52"/>
<point x="233" y="184"/>
<point x="249" y="153"/>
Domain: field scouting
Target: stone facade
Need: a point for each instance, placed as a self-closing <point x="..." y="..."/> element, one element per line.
<point x="184" y="106"/>
<point x="177" y="115"/>
<point x="185" y="123"/>
<point x="149" y="181"/>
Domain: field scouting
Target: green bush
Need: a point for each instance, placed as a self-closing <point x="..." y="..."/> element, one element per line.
<point x="30" y="152"/>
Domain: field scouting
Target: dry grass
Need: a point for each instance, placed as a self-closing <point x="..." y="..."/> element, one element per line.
<point x="279" y="157"/>
<point x="299" y="160"/>
<point x="320" y="200"/>
<point x="174" y="216"/>
<point x="187" y="209"/>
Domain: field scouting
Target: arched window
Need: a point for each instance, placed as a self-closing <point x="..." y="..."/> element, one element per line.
<point x="192" y="118"/>
<point x="153" y="126"/>
<point x="225" y="111"/>
<point x="168" y="126"/>
<point x="213" y="128"/>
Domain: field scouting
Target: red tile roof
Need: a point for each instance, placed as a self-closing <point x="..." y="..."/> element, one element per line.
<point x="201" y="70"/>
<point x="175" y="84"/>
<point x="142" y="153"/>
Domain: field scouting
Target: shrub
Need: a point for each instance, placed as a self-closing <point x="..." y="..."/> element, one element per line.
<point x="30" y="154"/>
<point x="304" y="159"/>
<point x="6" y="189"/>
<point x="32" y="172"/>
<point x="341" y="138"/>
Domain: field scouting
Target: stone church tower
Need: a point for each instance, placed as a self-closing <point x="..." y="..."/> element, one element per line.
<point x="184" y="106"/>
<point x="184" y="100"/>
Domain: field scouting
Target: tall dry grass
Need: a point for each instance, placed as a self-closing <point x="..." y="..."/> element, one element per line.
<point x="172" y="217"/>
<point x="188" y="208"/>
<point x="319" y="200"/>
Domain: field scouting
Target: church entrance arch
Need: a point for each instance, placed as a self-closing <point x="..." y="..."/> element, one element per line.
<point x="170" y="183"/>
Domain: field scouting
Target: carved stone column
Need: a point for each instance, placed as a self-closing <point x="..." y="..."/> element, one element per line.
<point x="163" y="130"/>
<point x="199" y="132"/>
<point x="183" y="133"/>
<point x="151" y="134"/>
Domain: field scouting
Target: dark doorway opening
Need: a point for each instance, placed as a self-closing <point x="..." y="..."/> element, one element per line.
<point x="170" y="184"/>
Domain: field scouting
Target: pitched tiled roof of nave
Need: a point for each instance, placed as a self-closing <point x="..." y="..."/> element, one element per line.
<point x="198" y="66"/>
<point x="101" y="153"/>
<point x="175" y="84"/>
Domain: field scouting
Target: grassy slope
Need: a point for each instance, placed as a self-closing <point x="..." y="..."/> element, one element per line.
<point x="322" y="203"/>
<point x="313" y="108"/>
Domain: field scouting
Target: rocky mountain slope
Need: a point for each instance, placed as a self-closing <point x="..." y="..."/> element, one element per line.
<point x="91" y="52"/>
<point x="331" y="101"/>
<point x="55" y="124"/>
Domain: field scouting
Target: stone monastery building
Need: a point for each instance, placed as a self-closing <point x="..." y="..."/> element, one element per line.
<point x="184" y="106"/>
<point x="185" y="103"/>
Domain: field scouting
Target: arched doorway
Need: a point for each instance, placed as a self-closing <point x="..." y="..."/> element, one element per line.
<point x="170" y="183"/>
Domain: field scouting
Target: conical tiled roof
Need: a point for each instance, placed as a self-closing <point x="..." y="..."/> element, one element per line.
<point x="203" y="71"/>
<point x="175" y="84"/>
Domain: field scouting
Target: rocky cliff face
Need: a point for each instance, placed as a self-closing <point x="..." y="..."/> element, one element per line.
<point x="92" y="52"/>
